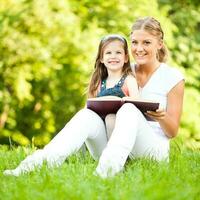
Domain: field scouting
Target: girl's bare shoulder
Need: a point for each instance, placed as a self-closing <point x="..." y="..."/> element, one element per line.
<point x="130" y="77"/>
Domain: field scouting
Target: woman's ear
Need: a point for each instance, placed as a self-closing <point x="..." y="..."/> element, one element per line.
<point x="160" y="44"/>
<point x="126" y="58"/>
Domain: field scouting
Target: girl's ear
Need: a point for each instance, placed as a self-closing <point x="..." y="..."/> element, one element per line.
<point x="101" y="58"/>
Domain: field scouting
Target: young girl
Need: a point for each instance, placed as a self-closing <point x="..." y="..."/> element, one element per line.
<point x="112" y="76"/>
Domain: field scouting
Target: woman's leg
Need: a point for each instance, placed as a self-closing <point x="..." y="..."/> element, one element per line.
<point x="85" y="125"/>
<point x="133" y="136"/>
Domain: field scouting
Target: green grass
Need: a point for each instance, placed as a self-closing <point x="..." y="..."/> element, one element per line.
<point x="141" y="179"/>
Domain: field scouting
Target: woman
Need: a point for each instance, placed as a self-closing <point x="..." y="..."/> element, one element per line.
<point x="133" y="135"/>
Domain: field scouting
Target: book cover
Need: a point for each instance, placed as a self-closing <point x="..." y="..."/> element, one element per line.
<point x="107" y="106"/>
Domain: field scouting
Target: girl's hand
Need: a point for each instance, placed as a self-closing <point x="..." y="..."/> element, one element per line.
<point x="105" y="98"/>
<point x="157" y="115"/>
<point x="130" y="98"/>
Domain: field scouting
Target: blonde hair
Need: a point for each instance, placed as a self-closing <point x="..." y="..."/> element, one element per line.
<point x="100" y="71"/>
<point x="152" y="26"/>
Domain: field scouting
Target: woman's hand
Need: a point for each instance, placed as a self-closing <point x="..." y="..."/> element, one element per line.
<point x="157" y="115"/>
<point x="169" y="120"/>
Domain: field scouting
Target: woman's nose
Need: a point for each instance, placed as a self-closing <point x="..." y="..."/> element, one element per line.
<point x="139" y="47"/>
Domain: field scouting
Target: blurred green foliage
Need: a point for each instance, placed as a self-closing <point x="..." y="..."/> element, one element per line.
<point x="48" y="49"/>
<point x="185" y="53"/>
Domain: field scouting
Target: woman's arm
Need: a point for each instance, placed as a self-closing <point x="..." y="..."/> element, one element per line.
<point x="169" y="120"/>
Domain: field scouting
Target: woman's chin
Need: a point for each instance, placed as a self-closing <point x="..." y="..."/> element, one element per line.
<point x="141" y="62"/>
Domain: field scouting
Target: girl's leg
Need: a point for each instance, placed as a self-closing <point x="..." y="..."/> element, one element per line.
<point x="132" y="136"/>
<point x="110" y="124"/>
<point x="85" y="125"/>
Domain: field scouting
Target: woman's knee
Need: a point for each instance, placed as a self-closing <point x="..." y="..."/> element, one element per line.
<point x="87" y="113"/>
<point x="128" y="108"/>
<point x="86" y="116"/>
<point x="92" y="121"/>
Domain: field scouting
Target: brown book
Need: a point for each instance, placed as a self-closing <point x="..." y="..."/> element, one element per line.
<point x="103" y="106"/>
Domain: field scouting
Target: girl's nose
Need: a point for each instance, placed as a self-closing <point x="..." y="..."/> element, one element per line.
<point x="113" y="55"/>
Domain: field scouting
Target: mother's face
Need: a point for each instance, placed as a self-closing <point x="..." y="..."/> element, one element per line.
<point x="144" y="47"/>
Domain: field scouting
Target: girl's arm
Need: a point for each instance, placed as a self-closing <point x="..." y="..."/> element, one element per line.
<point x="106" y="97"/>
<point x="132" y="87"/>
<point x="169" y="120"/>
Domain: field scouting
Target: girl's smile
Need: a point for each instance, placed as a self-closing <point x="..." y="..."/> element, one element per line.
<point x="114" y="56"/>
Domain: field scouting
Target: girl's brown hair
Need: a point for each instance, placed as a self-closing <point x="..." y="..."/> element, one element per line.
<point x="153" y="27"/>
<point x="100" y="71"/>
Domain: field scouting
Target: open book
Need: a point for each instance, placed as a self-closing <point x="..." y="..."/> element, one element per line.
<point x="111" y="104"/>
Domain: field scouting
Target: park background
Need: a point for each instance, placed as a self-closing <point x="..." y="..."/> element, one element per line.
<point x="47" y="54"/>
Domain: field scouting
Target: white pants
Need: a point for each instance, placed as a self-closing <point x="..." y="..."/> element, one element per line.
<point x="86" y="126"/>
<point x="132" y="136"/>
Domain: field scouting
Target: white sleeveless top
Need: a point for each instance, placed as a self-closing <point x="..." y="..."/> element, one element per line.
<point x="158" y="86"/>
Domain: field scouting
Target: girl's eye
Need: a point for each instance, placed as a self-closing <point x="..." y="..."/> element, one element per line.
<point x="118" y="52"/>
<point x="108" y="52"/>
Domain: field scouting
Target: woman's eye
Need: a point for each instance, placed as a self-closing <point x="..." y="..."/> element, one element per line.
<point x="134" y="42"/>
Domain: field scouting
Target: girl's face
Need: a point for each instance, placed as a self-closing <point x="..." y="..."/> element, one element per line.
<point x="144" y="47"/>
<point x="113" y="56"/>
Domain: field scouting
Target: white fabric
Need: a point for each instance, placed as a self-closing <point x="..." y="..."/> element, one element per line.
<point x="133" y="135"/>
<point x="85" y="126"/>
<point x="158" y="86"/>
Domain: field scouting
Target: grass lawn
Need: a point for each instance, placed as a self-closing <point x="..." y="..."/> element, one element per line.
<point x="141" y="179"/>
